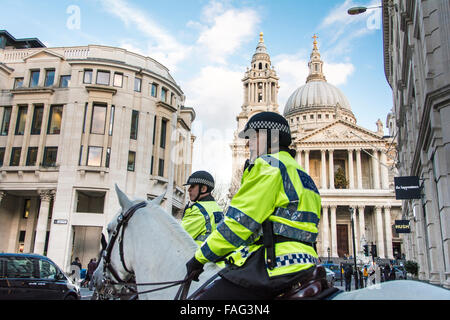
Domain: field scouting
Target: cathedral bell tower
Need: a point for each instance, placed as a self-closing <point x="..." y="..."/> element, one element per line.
<point x="260" y="84"/>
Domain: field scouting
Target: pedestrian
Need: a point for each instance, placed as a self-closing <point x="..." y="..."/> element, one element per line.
<point x="386" y="272"/>
<point x="365" y="275"/>
<point x="348" y="278"/>
<point x="91" y="268"/>
<point x="392" y="273"/>
<point x="372" y="273"/>
<point x="360" y="279"/>
<point x="75" y="270"/>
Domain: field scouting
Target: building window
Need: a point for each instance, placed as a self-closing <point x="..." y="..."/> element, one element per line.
<point x="25" y="215"/>
<point x="94" y="158"/>
<point x="81" y="156"/>
<point x="98" y="119"/>
<point x="15" y="156"/>
<point x="304" y="117"/>
<point x="162" y="142"/>
<point x="50" y="154"/>
<point x="49" y="77"/>
<point x="32" y="156"/>
<point x="18" y="83"/>
<point x="34" y="78"/>
<point x="137" y="84"/>
<point x="118" y="79"/>
<point x="90" y="201"/>
<point x="154" y="90"/>
<point x="37" y="119"/>
<point x="327" y="116"/>
<point x="111" y="121"/>
<point x="103" y="77"/>
<point x="65" y="81"/>
<point x="161" y="168"/>
<point x="2" y="155"/>
<point x="311" y="116"/>
<point x="319" y="116"/>
<point x="151" y="165"/>
<point x="163" y="94"/>
<point x="6" y="120"/>
<point x="21" y="120"/>
<point x="131" y="160"/>
<point x="87" y="78"/>
<point x="55" y="119"/>
<point x="108" y="157"/>
<point x="134" y="124"/>
<point x="154" y="130"/>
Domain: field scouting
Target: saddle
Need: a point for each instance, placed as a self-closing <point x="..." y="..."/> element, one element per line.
<point x="314" y="288"/>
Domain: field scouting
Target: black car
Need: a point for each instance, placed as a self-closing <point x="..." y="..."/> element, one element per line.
<point x="34" y="277"/>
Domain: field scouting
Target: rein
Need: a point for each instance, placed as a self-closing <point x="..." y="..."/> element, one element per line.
<point x="122" y="222"/>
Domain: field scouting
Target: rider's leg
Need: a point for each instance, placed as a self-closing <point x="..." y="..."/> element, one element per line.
<point x="223" y="289"/>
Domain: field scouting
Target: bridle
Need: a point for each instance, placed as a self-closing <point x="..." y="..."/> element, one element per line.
<point x="130" y="284"/>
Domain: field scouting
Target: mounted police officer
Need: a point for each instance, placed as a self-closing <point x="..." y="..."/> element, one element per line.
<point x="202" y="216"/>
<point x="272" y="220"/>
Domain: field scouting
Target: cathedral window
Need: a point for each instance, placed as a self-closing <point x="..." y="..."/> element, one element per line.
<point x="260" y="66"/>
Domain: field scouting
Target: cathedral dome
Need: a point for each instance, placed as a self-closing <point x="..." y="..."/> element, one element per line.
<point x="316" y="94"/>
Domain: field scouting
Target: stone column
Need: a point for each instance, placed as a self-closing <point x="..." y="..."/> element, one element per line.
<point x="331" y="168"/>
<point x="325" y="230"/>
<point x="350" y="169"/>
<point x="380" y="240"/>
<point x="41" y="227"/>
<point x="299" y="157"/>
<point x="388" y="226"/>
<point x="306" y="161"/>
<point x="362" y="224"/>
<point x="384" y="171"/>
<point x="358" y="168"/>
<point x="334" y="252"/>
<point x="376" y="170"/>
<point x="323" y="174"/>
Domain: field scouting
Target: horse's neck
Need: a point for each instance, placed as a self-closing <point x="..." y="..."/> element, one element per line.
<point x="161" y="250"/>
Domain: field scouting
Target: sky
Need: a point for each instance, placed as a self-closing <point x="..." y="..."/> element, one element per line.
<point x="208" y="44"/>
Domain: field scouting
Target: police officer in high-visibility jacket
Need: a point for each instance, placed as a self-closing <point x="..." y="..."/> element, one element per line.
<point x="202" y="216"/>
<point x="272" y="221"/>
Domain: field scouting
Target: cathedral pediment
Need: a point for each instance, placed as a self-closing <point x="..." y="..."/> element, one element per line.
<point x="44" y="54"/>
<point x="340" y="131"/>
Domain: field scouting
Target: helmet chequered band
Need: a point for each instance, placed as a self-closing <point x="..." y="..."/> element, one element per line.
<point x="270" y="125"/>
<point x="201" y="181"/>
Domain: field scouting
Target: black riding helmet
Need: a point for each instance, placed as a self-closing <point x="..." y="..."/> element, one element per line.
<point x="201" y="178"/>
<point x="269" y="121"/>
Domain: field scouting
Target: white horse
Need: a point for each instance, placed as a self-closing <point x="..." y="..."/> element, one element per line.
<point x="156" y="248"/>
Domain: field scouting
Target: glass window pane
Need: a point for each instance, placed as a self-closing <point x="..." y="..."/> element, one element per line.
<point x="32" y="156"/>
<point x="15" y="156"/>
<point x="111" y="121"/>
<point x="118" y="78"/>
<point x="2" y="155"/>
<point x="21" y="120"/>
<point x="19" y="267"/>
<point x="163" y="133"/>
<point x="154" y="90"/>
<point x="94" y="156"/>
<point x="87" y="76"/>
<point x="34" y="79"/>
<point x="98" y="119"/>
<point x="65" y="81"/>
<point x="49" y="78"/>
<point x="103" y="77"/>
<point x="50" y="154"/>
<point x="134" y="124"/>
<point x="6" y="120"/>
<point x="161" y="168"/>
<point x="37" y="120"/>
<point x="108" y="156"/>
<point x="47" y="270"/>
<point x="163" y="95"/>
<point x="137" y="84"/>
<point x="18" y="83"/>
<point x="131" y="160"/>
<point x="55" y="120"/>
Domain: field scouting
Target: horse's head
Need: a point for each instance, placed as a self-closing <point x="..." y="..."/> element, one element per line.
<point x="112" y="267"/>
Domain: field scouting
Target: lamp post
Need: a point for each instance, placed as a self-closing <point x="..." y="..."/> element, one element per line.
<point x="329" y="251"/>
<point x="354" y="247"/>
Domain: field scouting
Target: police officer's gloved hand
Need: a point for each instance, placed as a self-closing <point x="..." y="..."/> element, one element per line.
<point x="194" y="268"/>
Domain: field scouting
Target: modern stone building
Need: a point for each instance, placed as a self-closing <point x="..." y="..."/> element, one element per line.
<point x="76" y="121"/>
<point x="416" y="42"/>
<point x="351" y="166"/>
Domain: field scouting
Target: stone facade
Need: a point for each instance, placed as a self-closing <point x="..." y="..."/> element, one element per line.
<point x="417" y="67"/>
<point x="328" y="140"/>
<point x="75" y="122"/>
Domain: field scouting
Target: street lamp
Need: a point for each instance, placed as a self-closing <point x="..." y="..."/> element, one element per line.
<point x="358" y="10"/>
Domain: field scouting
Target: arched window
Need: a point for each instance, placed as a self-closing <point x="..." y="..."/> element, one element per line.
<point x="260" y="66"/>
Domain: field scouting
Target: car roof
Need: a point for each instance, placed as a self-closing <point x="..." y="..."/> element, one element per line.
<point x="26" y="255"/>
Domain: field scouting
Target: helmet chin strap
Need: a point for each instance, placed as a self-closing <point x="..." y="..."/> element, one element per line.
<point x="200" y="193"/>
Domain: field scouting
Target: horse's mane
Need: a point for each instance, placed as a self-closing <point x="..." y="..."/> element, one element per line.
<point x="177" y="230"/>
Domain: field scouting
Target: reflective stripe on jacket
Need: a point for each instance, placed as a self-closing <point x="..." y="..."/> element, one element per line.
<point x="275" y="188"/>
<point x="201" y="219"/>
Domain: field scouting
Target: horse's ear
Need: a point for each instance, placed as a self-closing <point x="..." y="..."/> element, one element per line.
<point x="123" y="199"/>
<point x="157" y="200"/>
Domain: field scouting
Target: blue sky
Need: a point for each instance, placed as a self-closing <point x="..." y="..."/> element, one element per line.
<point x="207" y="45"/>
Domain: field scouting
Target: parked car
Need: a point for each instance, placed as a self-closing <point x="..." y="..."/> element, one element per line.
<point x="331" y="277"/>
<point x="335" y="268"/>
<point x="34" y="277"/>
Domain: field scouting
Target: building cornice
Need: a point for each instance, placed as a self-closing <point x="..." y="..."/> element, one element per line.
<point x="161" y="104"/>
<point x="101" y="88"/>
